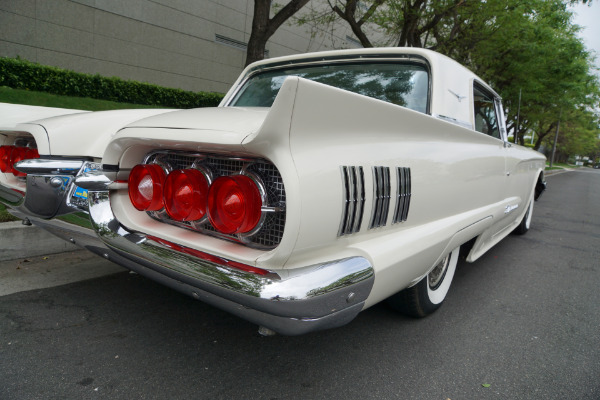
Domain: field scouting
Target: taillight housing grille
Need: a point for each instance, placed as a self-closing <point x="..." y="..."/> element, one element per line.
<point x="269" y="231"/>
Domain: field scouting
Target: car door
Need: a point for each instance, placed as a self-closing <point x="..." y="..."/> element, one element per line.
<point x="489" y="120"/>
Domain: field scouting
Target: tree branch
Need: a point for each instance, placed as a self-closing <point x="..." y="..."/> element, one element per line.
<point x="284" y="14"/>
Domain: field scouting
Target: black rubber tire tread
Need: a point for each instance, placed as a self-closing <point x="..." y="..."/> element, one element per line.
<point x="414" y="301"/>
<point x="411" y="302"/>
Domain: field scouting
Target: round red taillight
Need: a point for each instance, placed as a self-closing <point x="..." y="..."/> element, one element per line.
<point x="146" y="187"/>
<point x="17" y="154"/>
<point x="31" y="154"/>
<point x="185" y="194"/>
<point x="234" y="204"/>
<point x="5" y="164"/>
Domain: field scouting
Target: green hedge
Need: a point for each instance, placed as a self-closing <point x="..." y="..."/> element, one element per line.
<point x="22" y="74"/>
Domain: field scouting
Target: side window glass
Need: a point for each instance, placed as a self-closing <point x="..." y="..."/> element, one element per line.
<point x="486" y="119"/>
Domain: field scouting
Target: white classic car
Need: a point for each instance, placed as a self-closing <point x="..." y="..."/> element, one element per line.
<point x="323" y="184"/>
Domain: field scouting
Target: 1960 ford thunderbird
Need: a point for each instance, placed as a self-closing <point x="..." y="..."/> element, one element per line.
<point x="323" y="184"/>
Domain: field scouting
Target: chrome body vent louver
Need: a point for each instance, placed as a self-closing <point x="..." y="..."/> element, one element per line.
<point x="403" y="194"/>
<point x="353" y="180"/>
<point x="381" y="193"/>
<point x="354" y="197"/>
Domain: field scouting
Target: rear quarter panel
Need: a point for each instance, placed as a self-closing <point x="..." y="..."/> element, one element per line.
<point x="458" y="179"/>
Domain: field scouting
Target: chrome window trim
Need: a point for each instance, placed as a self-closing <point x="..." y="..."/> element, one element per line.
<point x="401" y="59"/>
<point x="455" y="121"/>
<point x="492" y="95"/>
<point x="501" y="119"/>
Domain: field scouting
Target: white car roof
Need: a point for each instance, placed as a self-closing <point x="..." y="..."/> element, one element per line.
<point x="451" y="83"/>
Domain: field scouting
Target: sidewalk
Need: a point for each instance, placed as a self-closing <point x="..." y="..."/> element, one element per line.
<point x="39" y="272"/>
<point x="31" y="258"/>
<point x="22" y="241"/>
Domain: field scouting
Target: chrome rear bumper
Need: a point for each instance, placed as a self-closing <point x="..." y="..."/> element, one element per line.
<point x="290" y="302"/>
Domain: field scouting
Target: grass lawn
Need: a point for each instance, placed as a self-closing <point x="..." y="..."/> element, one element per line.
<point x="5" y="216"/>
<point x="19" y="96"/>
<point x="559" y="166"/>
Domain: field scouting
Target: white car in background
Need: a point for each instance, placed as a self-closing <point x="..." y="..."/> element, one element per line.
<point x="323" y="184"/>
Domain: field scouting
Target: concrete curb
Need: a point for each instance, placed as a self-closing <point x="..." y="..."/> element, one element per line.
<point x="558" y="171"/>
<point x="21" y="241"/>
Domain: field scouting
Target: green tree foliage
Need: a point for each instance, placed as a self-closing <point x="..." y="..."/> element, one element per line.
<point x="529" y="49"/>
<point x="523" y="48"/>
<point x="579" y="136"/>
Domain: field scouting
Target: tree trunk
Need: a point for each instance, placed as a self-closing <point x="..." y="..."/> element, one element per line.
<point x="348" y="14"/>
<point x="542" y="134"/>
<point x="258" y="36"/>
<point x="264" y="27"/>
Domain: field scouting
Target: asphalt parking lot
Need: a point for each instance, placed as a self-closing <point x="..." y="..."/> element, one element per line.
<point x="523" y="322"/>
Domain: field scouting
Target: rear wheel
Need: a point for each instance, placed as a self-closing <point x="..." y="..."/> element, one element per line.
<point x="428" y="295"/>
<point x="526" y="221"/>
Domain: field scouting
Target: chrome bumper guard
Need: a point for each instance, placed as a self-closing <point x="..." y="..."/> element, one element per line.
<point x="50" y="189"/>
<point x="290" y="302"/>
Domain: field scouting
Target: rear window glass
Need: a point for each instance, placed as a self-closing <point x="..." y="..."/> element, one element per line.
<point x="405" y="84"/>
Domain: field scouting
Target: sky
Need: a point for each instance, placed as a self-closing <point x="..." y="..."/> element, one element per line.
<point x="588" y="17"/>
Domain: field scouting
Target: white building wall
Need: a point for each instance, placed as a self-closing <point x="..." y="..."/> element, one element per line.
<point x="166" y="42"/>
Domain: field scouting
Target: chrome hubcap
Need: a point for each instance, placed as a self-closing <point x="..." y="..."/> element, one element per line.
<point x="436" y="276"/>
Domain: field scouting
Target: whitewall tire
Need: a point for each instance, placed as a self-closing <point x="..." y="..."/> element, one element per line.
<point x="525" y="224"/>
<point x="428" y="295"/>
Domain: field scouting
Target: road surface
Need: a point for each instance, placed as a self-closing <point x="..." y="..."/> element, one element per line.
<point x="523" y="322"/>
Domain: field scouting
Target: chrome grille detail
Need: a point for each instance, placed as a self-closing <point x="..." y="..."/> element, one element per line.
<point x="381" y="193"/>
<point x="353" y="181"/>
<point x="273" y="221"/>
<point x="403" y="194"/>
